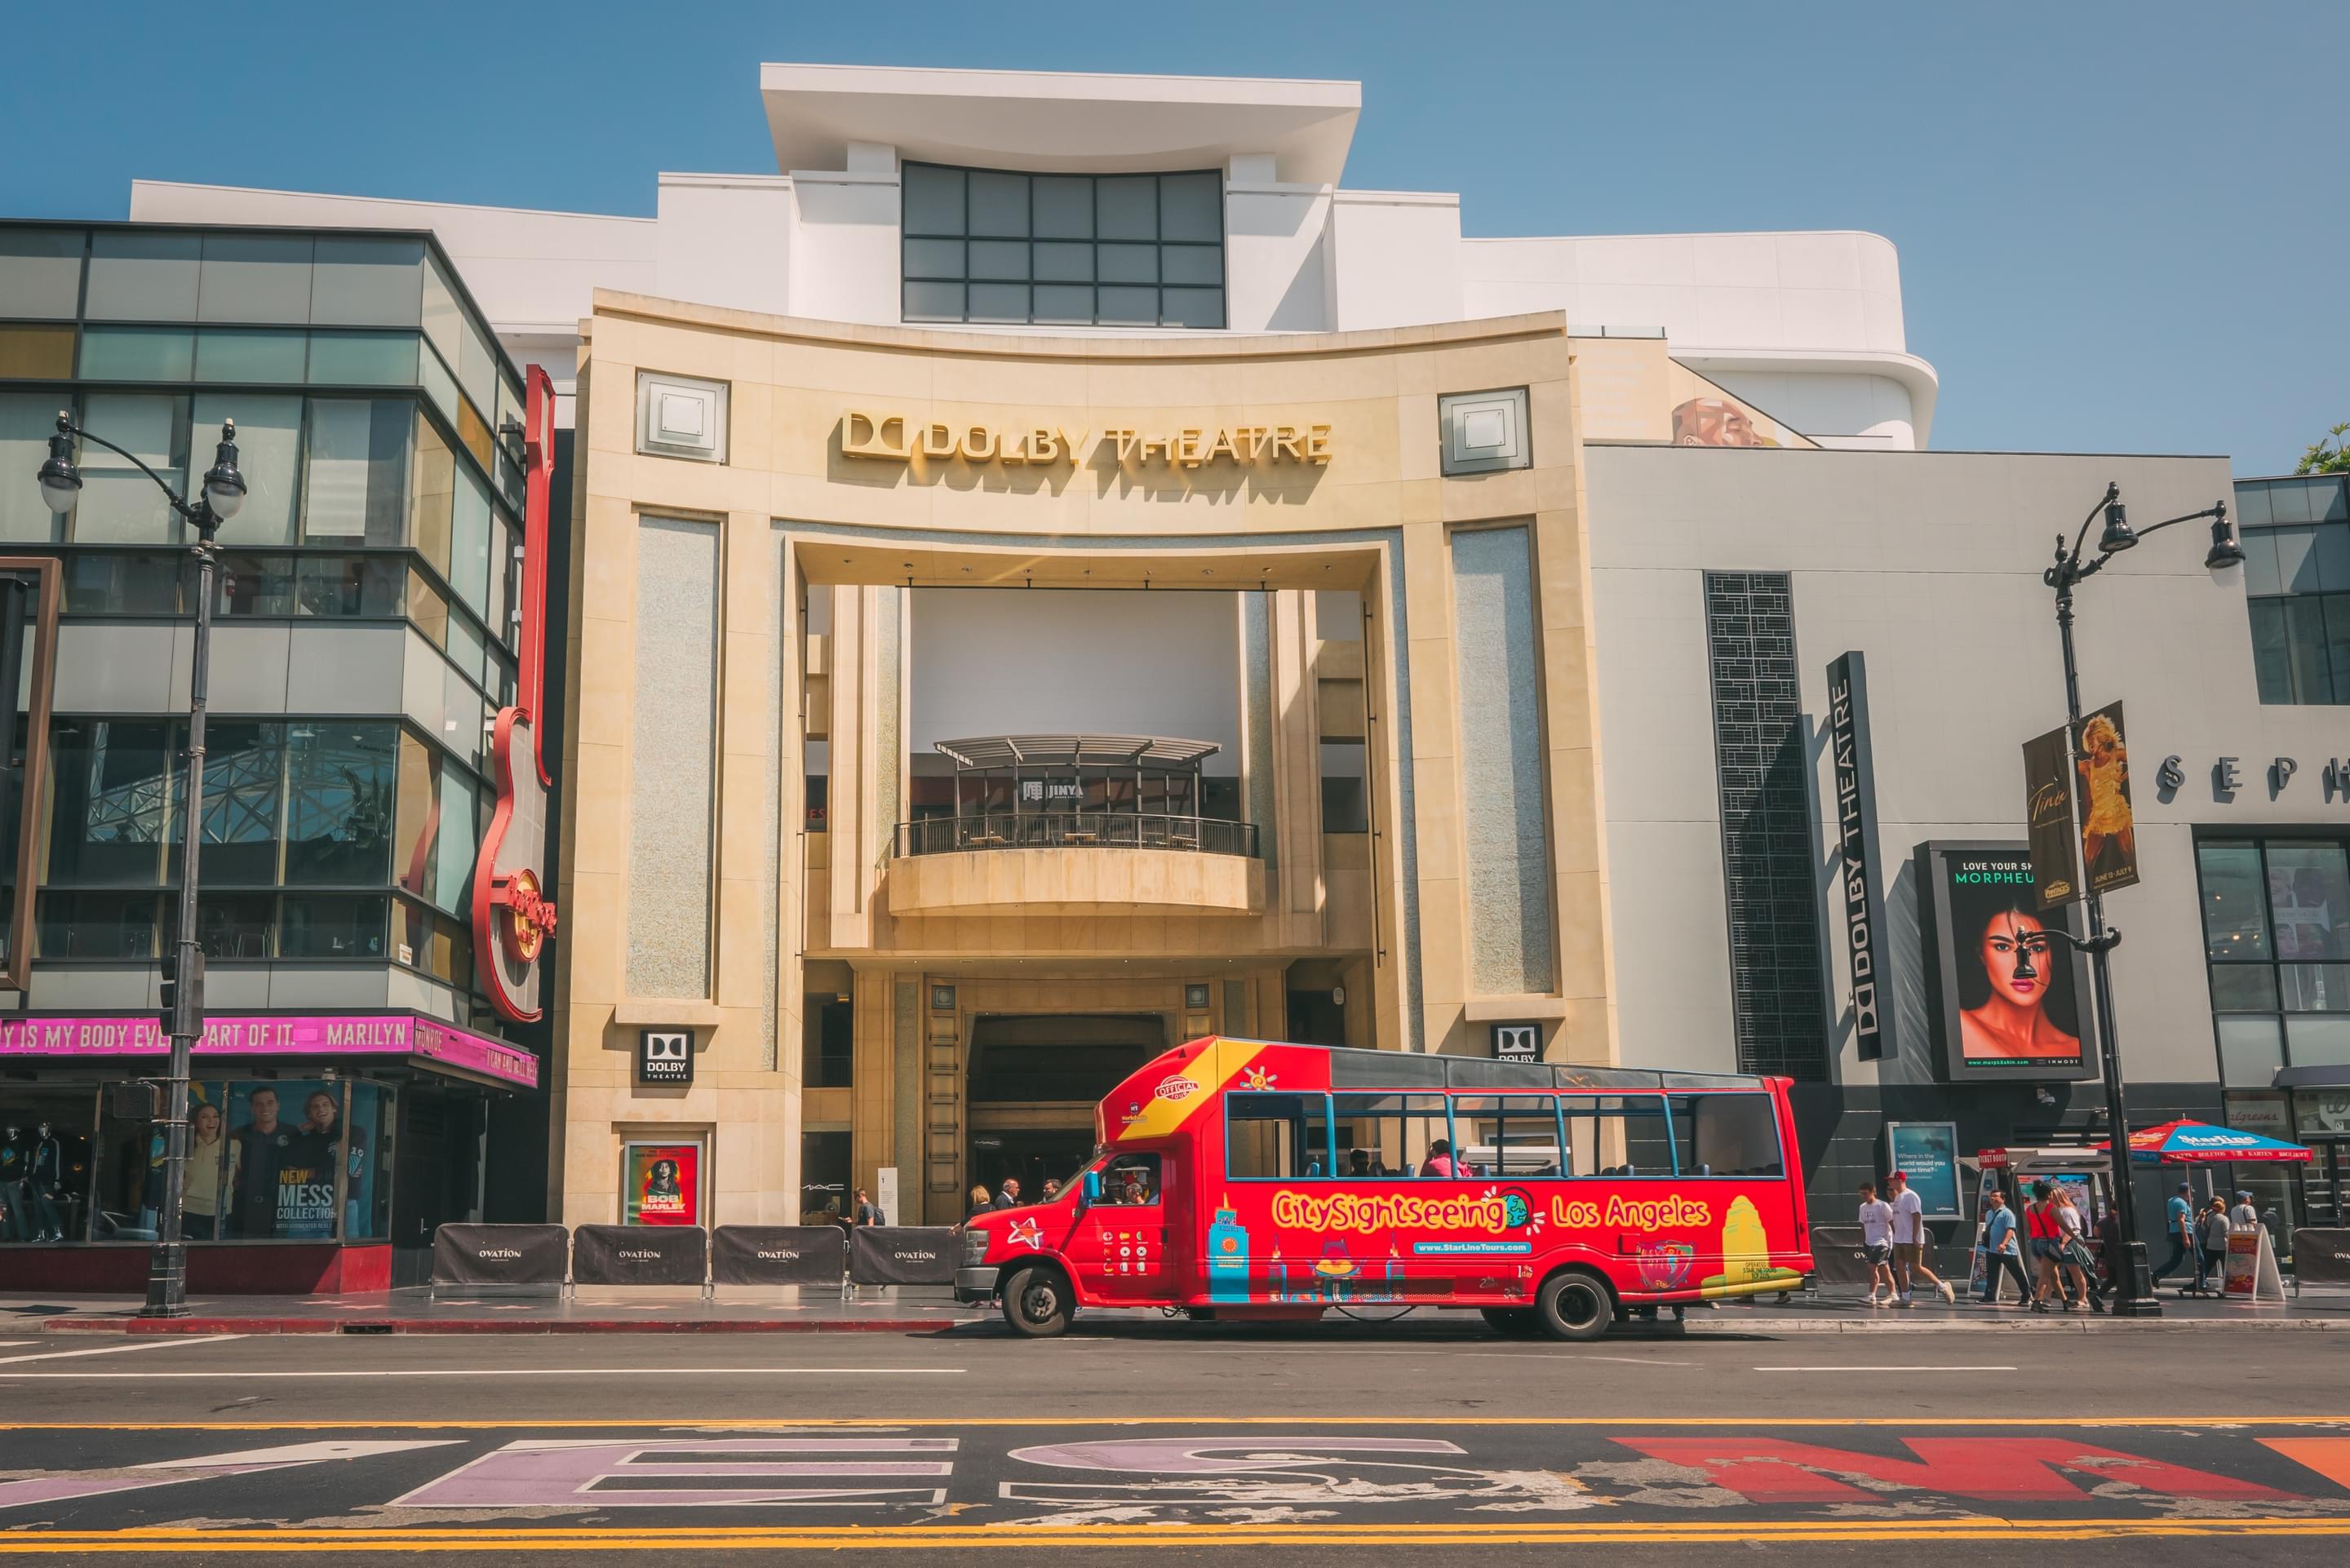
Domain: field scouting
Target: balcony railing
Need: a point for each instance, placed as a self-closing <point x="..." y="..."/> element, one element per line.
<point x="1076" y="830"/>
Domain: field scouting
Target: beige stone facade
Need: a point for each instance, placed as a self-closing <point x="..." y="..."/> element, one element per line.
<point x="923" y="946"/>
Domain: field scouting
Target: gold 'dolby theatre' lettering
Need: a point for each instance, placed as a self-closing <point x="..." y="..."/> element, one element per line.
<point x="895" y="438"/>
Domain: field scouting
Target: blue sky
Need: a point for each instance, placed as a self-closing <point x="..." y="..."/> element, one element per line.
<point x="2121" y="225"/>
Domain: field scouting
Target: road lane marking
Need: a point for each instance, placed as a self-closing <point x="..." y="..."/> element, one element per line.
<point x="114" y="1349"/>
<point x="1934" y="1368"/>
<point x="241" y="1372"/>
<point x="885" y="1423"/>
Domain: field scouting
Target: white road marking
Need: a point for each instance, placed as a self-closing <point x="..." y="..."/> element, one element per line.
<point x="1937" y="1369"/>
<point x="1531" y="1354"/>
<point x="243" y="1372"/>
<point x="158" y="1343"/>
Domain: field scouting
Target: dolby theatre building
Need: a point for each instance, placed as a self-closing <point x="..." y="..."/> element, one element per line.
<point x="1051" y="572"/>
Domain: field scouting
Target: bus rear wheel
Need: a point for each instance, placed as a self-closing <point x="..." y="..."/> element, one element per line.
<point x="1512" y="1322"/>
<point x="1036" y="1302"/>
<point x="1575" y="1306"/>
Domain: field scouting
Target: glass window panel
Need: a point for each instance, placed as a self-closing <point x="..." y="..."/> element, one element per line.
<point x="245" y="764"/>
<point x="934" y="301"/>
<point x="2314" y="987"/>
<point x="477" y="368"/>
<point x="933" y="200"/>
<point x="443" y="316"/>
<point x="1200" y="266"/>
<point x="428" y="607"/>
<point x="331" y="925"/>
<point x="40" y="273"/>
<point x="439" y="384"/>
<point x="2333" y="557"/>
<point x="2329" y="499"/>
<point x="268" y="436"/>
<point x="2235" y="915"/>
<point x="2311" y="1042"/>
<point x="1725" y="1135"/>
<point x="95" y="926"/>
<point x="465" y="647"/>
<point x="2252" y="508"/>
<point x="1192" y="308"/>
<point x="934" y="258"/>
<point x="2271" y="659"/>
<point x="223" y="355"/>
<point x="2260" y="561"/>
<point x="339" y="817"/>
<point x="1617" y="1135"/>
<point x="1129" y="306"/>
<point x="2244" y="988"/>
<point x="366" y="1188"/>
<point x="1344" y="805"/>
<point x="255" y="277"/>
<point x="999" y="301"/>
<point x="2337" y="643"/>
<point x="998" y="203"/>
<point x="1276" y="1135"/>
<point x="474" y="432"/>
<point x="368" y="282"/>
<point x="1063" y="206"/>
<point x="1507" y="1136"/>
<point x="347" y="586"/>
<point x="999" y="258"/>
<point x="143" y="276"/>
<point x="116" y="582"/>
<point x="138" y="353"/>
<point x="2296" y="559"/>
<point x="1127" y="207"/>
<point x="27" y="420"/>
<point x="363" y="358"/>
<point x="1190" y="206"/>
<point x="433" y="487"/>
<point x="416" y="817"/>
<point x="501" y="541"/>
<point x="37" y="353"/>
<point x="118" y="504"/>
<point x="357" y="469"/>
<point x="2309" y="899"/>
<point x="2304" y="633"/>
<point x="112" y="781"/>
<point x="453" y="850"/>
<point x="469" y="546"/>
<point x="1065" y="263"/>
<point x="249" y="585"/>
<point x="1071" y="303"/>
<point x="1129" y="263"/>
<point x="230" y="925"/>
<point x="2288" y="504"/>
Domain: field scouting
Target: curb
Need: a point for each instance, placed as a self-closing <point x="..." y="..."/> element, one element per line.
<point x="378" y="1327"/>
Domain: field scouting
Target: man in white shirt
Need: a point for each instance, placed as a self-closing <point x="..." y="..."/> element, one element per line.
<point x="1877" y="1242"/>
<point x="1909" y="1241"/>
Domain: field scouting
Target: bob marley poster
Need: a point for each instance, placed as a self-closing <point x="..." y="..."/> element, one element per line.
<point x="2012" y="994"/>
<point x="663" y="1184"/>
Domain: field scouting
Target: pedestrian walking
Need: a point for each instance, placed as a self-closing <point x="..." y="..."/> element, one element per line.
<point x="2211" y="1266"/>
<point x="2179" y="1220"/>
<point x="1909" y="1241"/>
<point x="866" y="1211"/>
<point x="1999" y="1250"/>
<point x="1876" y="1240"/>
<point x="2041" y="1235"/>
<point x="2073" y="1250"/>
<point x="2243" y="1213"/>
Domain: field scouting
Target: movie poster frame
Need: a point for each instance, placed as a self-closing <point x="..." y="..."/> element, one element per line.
<point x="1942" y="970"/>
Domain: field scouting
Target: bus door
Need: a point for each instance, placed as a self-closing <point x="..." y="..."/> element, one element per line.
<point x="1121" y="1243"/>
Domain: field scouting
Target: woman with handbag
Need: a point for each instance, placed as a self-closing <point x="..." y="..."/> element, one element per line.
<point x="2041" y="1235"/>
<point x="2073" y="1250"/>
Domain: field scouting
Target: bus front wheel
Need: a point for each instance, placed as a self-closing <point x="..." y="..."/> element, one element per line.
<point x="1575" y="1306"/>
<point x="1036" y="1302"/>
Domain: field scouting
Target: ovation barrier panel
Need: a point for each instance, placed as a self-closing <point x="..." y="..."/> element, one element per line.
<point x="2321" y="1257"/>
<point x="902" y="1255"/>
<point x="777" y="1255"/>
<point x="639" y="1255"/>
<point x="499" y="1254"/>
<point x="1838" y="1256"/>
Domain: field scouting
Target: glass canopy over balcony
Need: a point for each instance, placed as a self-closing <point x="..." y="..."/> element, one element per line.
<point x="1029" y="792"/>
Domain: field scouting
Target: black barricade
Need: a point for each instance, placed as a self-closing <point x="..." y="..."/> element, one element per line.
<point x="1838" y="1256"/>
<point x="778" y="1254"/>
<point x="2321" y="1257"/>
<point x="902" y="1254"/>
<point x="498" y="1254"/>
<point x="640" y="1254"/>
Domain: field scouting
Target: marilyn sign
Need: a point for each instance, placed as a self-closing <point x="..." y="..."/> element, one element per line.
<point x="53" y="1038"/>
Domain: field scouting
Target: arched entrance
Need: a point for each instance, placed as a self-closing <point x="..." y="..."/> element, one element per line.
<point x="1035" y="1079"/>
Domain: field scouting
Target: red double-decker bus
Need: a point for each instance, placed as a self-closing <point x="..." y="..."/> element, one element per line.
<point x="1246" y="1179"/>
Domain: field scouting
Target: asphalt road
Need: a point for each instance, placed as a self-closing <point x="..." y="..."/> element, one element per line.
<point x="1172" y="1443"/>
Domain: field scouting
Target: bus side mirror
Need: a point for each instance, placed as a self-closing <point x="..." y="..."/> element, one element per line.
<point x="1090" y="1193"/>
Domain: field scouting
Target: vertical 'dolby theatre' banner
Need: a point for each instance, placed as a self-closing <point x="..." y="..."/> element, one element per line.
<point x="2048" y="818"/>
<point x="1856" y="808"/>
<point x="2108" y="826"/>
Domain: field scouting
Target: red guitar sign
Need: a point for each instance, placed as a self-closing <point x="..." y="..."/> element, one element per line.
<point x="514" y="913"/>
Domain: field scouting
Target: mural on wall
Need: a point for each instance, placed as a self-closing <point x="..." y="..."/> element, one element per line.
<point x="1632" y="389"/>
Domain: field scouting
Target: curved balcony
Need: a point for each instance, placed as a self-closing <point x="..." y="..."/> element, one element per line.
<point x="1075" y="862"/>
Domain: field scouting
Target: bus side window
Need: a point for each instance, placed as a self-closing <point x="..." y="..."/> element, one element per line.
<point x="1726" y="1135"/>
<point x="1381" y="1136"/>
<point x="1268" y="1137"/>
<point x="1617" y="1135"/>
<point x="1131" y="1181"/>
<point x="1508" y="1135"/>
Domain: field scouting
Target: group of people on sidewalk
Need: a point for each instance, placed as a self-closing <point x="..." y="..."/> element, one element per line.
<point x="1893" y="1230"/>
<point x="2052" y="1232"/>
<point x="2201" y="1236"/>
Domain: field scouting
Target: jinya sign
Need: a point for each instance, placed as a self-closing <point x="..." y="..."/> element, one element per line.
<point x="895" y="438"/>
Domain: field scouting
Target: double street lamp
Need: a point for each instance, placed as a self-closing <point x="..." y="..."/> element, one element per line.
<point x="2133" y="1287"/>
<point x="183" y="967"/>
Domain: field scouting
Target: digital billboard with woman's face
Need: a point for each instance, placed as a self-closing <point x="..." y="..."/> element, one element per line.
<point x="2011" y="993"/>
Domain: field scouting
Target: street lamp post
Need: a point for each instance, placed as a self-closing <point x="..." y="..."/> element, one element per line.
<point x="2133" y="1287"/>
<point x="183" y="1017"/>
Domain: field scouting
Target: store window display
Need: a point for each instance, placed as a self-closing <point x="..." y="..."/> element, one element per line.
<point x="44" y="1165"/>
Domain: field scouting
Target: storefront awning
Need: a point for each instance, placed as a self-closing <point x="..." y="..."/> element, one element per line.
<point x="1076" y="752"/>
<point x="398" y="1037"/>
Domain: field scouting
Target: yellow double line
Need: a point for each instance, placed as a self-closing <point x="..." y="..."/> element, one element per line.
<point x="914" y="1537"/>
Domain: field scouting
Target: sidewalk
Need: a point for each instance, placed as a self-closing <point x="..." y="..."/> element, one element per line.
<point x="931" y="1310"/>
